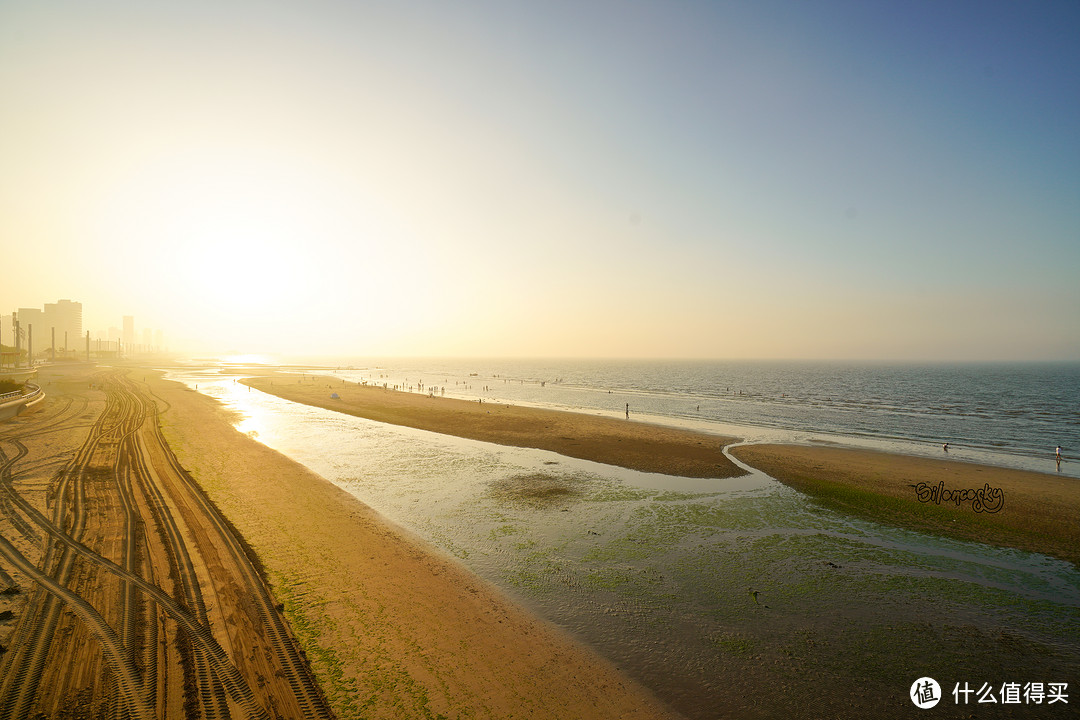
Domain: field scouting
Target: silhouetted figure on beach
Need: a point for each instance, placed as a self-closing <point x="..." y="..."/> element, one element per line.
<point x="945" y="447"/>
<point x="627" y="411"/>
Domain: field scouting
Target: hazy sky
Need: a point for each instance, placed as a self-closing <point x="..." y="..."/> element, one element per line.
<point x="663" y="179"/>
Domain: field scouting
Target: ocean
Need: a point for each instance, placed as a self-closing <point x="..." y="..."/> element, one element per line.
<point x="1012" y="415"/>
<point x="738" y="597"/>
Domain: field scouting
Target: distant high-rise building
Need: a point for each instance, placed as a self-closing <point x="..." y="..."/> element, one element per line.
<point x="32" y="325"/>
<point x="62" y="316"/>
<point x="31" y="316"/>
<point x="129" y="331"/>
<point x="66" y="317"/>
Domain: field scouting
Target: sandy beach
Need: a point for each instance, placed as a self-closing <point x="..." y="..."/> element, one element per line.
<point x="613" y="441"/>
<point x="392" y="628"/>
<point x="1011" y="508"/>
<point x="123" y="589"/>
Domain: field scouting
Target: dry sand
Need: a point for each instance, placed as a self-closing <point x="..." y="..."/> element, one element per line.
<point x="1034" y="511"/>
<point x="613" y="441"/>
<point x="391" y="628"/>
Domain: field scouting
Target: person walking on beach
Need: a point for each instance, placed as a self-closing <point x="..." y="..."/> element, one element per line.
<point x="627" y="411"/>
<point x="1057" y="453"/>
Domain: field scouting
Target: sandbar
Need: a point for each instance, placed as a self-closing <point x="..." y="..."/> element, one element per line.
<point x="1001" y="506"/>
<point x="1006" y="507"/>
<point x="613" y="441"/>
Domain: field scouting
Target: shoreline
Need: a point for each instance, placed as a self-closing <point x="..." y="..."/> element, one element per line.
<point x="717" y="414"/>
<point x="760" y="655"/>
<point x="1036" y="513"/>
<point x="391" y="626"/>
<point x="624" y="443"/>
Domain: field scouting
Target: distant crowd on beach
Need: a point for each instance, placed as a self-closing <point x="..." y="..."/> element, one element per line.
<point x="463" y="385"/>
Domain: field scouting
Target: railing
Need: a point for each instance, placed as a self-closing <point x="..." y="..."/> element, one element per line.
<point x="34" y="391"/>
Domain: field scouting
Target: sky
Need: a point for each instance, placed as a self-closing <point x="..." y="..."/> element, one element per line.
<point x="825" y="179"/>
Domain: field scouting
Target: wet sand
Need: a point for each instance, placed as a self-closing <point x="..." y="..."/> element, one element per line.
<point x="613" y="441"/>
<point x="391" y="627"/>
<point x="1033" y="511"/>
<point x="1021" y="509"/>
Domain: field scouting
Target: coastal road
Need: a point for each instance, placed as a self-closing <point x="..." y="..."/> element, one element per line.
<point x="123" y="591"/>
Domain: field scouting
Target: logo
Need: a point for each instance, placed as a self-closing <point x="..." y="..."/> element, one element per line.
<point x="985" y="499"/>
<point x="925" y="693"/>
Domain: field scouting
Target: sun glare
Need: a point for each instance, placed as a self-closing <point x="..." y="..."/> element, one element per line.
<point x="243" y="261"/>
<point x="258" y="251"/>
<point x="228" y="233"/>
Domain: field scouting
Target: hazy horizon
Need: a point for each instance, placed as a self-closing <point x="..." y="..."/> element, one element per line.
<point x="741" y="180"/>
<point x="339" y="360"/>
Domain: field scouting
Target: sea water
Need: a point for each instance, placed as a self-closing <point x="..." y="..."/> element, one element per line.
<point x="737" y="597"/>
<point x="1006" y="414"/>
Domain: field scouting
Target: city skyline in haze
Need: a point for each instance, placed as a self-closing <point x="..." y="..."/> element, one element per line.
<point x="58" y="328"/>
<point x="833" y="180"/>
